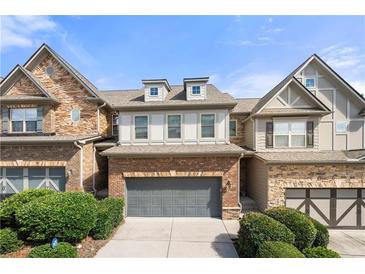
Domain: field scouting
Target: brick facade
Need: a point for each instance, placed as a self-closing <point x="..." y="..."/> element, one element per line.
<point x="239" y="139"/>
<point x="225" y="167"/>
<point x="281" y="177"/>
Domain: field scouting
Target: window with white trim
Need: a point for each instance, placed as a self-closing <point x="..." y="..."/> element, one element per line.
<point x="195" y="90"/>
<point x="174" y="126"/>
<point x="310" y="82"/>
<point x="289" y="134"/>
<point x="115" y="122"/>
<point x="141" y="127"/>
<point x="341" y="127"/>
<point x="23" y="119"/>
<point x="153" y="91"/>
<point x="207" y="125"/>
<point x="233" y="128"/>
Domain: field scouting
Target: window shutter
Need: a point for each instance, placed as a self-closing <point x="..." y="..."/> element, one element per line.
<point x="310" y="135"/>
<point x="5" y="119"/>
<point x="269" y="134"/>
<point x="39" y="119"/>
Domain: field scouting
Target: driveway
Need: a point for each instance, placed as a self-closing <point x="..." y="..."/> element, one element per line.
<point x="349" y="243"/>
<point x="170" y="237"/>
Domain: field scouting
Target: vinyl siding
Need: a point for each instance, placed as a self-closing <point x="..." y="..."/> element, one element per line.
<point x="257" y="187"/>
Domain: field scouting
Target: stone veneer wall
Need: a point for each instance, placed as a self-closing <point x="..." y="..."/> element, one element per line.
<point x="281" y="177"/>
<point x="225" y="167"/>
<point x="24" y="86"/>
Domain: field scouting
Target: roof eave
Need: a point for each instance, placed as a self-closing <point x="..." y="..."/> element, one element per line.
<point x="176" y="154"/>
<point x="41" y="100"/>
<point x="173" y="106"/>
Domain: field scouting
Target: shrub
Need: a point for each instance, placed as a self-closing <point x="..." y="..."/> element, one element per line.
<point x="68" y="216"/>
<point x="9" y="241"/>
<point x="322" y="236"/>
<point x="62" y="250"/>
<point x="110" y="214"/>
<point x="299" y="223"/>
<point x="9" y="206"/>
<point x="320" y="252"/>
<point x="271" y="249"/>
<point x="255" y="228"/>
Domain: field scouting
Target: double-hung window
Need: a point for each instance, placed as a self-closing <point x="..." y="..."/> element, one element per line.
<point x="174" y="126"/>
<point x="195" y="90"/>
<point x="141" y="127"/>
<point x="289" y="134"/>
<point x="115" y="119"/>
<point x="24" y="119"/>
<point x="233" y="128"/>
<point x="207" y="125"/>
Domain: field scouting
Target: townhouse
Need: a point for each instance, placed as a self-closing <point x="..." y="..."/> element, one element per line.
<point x="187" y="150"/>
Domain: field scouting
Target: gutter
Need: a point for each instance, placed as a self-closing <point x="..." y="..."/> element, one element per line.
<point x="81" y="162"/>
<point x="98" y="116"/>
<point x="45" y="141"/>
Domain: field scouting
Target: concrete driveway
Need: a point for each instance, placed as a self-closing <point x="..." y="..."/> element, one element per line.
<point x="349" y="243"/>
<point x="170" y="237"/>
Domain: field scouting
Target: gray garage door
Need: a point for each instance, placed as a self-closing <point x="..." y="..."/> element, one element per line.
<point x="339" y="208"/>
<point x="174" y="197"/>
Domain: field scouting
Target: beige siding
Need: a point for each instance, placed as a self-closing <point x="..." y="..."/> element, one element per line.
<point x="257" y="187"/>
<point x="249" y="134"/>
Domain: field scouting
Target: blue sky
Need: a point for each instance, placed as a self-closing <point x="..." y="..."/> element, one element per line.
<point x="243" y="55"/>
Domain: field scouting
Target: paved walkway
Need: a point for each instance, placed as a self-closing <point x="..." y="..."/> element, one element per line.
<point x="349" y="243"/>
<point x="170" y="237"/>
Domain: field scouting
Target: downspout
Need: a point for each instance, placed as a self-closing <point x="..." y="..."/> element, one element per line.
<point x="98" y="116"/>
<point x="239" y="182"/>
<point x="81" y="163"/>
<point x="94" y="151"/>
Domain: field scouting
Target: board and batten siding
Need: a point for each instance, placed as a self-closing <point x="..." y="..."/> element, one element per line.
<point x="158" y="128"/>
<point x="260" y="132"/>
<point x="346" y="107"/>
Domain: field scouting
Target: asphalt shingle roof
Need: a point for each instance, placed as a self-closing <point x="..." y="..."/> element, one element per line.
<point x="245" y="105"/>
<point x="41" y="139"/>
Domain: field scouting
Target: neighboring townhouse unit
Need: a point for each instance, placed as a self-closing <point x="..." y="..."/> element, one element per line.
<point x="187" y="150"/>
<point x="50" y="117"/>
<point x="308" y="134"/>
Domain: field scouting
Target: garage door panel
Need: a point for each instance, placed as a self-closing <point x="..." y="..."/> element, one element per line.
<point x="320" y="210"/>
<point x="346" y="217"/>
<point x="180" y="197"/>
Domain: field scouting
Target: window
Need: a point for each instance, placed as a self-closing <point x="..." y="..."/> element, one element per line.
<point x="196" y="90"/>
<point x="24" y="120"/>
<point x="153" y="91"/>
<point x="207" y="126"/>
<point x="141" y="127"/>
<point x="341" y="127"/>
<point x="115" y="119"/>
<point x="233" y="128"/>
<point x="75" y="115"/>
<point x="174" y="126"/>
<point x="289" y="134"/>
<point x="309" y="83"/>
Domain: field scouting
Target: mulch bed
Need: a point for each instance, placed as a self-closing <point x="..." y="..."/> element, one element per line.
<point x="86" y="249"/>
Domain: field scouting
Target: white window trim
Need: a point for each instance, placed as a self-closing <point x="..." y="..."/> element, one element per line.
<point x="148" y="129"/>
<point x="232" y="120"/>
<point x="153" y="95"/>
<point x="167" y="126"/>
<point x="289" y="133"/>
<point x="24" y="122"/>
<point x="214" y="125"/>
<point x="310" y="78"/>
<point x="75" y="122"/>
<point x="113" y="124"/>
<point x="342" y="132"/>
<point x="200" y="90"/>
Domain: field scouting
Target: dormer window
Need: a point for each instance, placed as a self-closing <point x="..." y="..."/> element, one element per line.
<point x="154" y="91"/>
<point x="196" y="90"/>
<point x="309" y="82"/>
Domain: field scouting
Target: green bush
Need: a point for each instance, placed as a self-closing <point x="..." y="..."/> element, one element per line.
<point x="271" y="249"/>
<point x="62" y="250"/>
<point x="9" y="241"/>
<point x="320" y="252"/>
<point x="110" y="214"/>
<point x="68" y="216"/>
<point x="9" y="206"/>
<point x="255" y="228"/>
<point x="322" y="236"/>
<point x="298" y="222"/>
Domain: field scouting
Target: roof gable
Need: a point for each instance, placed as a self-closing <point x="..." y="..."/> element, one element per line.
<point x="42" y="52"/>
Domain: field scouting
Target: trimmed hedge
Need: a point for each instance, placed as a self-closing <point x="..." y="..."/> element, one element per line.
<point x="9" y="206"/>
<point x="320" y="252"/>
<point x="299" y="223"/>
<point x="110" y="214"/>
<point x="270" y="249"/>
<point x="9" y="241"/>
<point x="62" y="250"/>
<point x="322" y="236"/>
<point x="68" y="216"/>
<point x="256" y="228"/>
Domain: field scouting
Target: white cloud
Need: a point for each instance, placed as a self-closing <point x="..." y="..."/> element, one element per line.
<point x="359" y="85"/>
<point x="343" y="57"/>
